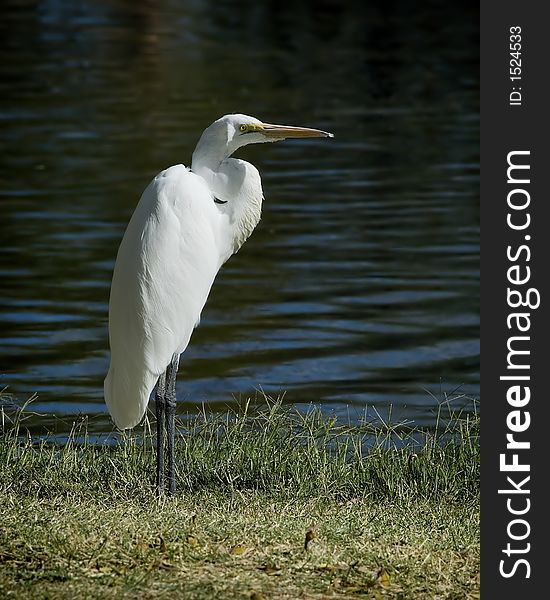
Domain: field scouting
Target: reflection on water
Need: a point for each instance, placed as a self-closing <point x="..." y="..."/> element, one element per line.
<point x="360" y="285"/>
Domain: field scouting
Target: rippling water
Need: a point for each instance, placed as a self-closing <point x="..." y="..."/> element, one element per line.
<point x="359" y="287"/>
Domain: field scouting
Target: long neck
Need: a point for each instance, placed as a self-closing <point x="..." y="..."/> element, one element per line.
<point x="211" y="150"/>
<point x="234" y="183"/>
<point x="237" y="185"/>
<point x="204" y="159"/>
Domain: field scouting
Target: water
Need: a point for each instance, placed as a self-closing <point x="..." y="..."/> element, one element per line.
<point x="360" y="286"/>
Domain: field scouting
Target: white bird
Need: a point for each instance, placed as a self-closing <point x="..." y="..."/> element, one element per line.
<point x="188" y="222"/>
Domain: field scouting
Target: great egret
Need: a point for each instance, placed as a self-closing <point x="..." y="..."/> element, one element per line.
<point x="188" y="222"/>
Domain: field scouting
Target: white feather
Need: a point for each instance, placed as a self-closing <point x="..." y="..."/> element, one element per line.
<point x="165" y="267"/>
<point x="173" y="247"/>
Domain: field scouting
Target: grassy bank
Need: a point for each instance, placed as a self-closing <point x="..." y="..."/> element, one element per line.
<point x="384" y="512"/>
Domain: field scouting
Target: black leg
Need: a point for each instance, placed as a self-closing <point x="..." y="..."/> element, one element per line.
<point x="172" y="373"/>
<point x="160" y="403"/>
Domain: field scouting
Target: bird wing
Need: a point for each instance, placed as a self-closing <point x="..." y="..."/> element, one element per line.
<point x="165" y="267"/>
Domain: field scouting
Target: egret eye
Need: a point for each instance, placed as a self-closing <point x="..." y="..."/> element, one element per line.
<point x="243" y="127"/>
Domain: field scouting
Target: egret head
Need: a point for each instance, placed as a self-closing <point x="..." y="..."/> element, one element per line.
<point x="230" y="132"/>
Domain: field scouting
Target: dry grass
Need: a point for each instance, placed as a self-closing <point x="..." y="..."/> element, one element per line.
<point x="381" y="521"/>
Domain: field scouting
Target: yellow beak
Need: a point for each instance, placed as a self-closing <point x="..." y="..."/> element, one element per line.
<point x="279" y="132"/>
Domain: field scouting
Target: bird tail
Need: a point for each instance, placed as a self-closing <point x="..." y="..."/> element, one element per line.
<point x="127" y="397"/>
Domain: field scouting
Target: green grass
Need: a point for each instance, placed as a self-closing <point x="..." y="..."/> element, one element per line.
<point x="389" y="512"/>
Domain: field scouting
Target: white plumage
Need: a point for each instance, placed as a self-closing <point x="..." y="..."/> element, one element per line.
<point x="187" y="223"/>
<point x="167" y="261"/>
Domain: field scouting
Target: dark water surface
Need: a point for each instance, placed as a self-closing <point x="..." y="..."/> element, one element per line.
<point x="361" y="284"/>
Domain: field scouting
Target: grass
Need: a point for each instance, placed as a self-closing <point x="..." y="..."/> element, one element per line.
<point x="271" y="504"/>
